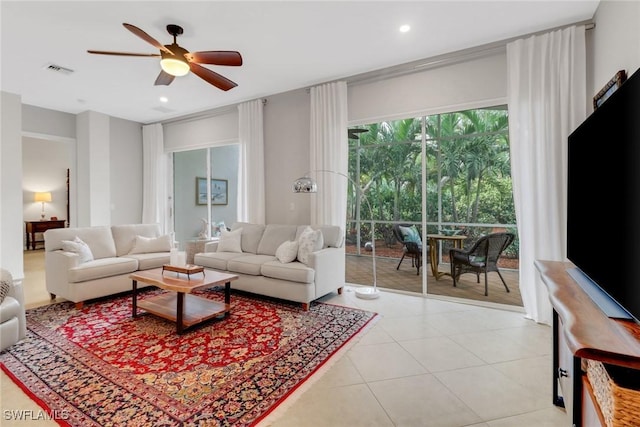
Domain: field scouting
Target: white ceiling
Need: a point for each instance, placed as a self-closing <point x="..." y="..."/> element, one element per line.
<point x="285" y="45"/>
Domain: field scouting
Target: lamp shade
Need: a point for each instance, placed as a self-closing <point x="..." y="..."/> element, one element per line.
<point x="305" y="184"/>
<point x="42" y="197"/>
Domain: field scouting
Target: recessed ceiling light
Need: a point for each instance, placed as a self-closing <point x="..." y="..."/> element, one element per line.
<point x="164" y="99"/>
<point x="405" y="28"/>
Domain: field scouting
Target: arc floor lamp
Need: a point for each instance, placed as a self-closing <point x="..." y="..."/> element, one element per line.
<point x="306" y="184"/>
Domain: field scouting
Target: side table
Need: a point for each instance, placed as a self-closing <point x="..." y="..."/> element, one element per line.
<point x="33" y="227"/>
<point x="457" y="240"/>
<point x="195" y="246"/>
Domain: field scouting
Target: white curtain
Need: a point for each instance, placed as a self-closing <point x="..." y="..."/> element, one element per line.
<point x="155" y="195"/>
<point x="547" y="101"/>
<point x="251" y="193"/>
<point x="329" y="152"/>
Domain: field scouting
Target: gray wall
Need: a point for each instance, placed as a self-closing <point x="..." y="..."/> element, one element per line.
<point x="48" y="122"/>
<point x="125" y="171"/>
<point x="286" y="151"/>
<point x="11" y="225"/>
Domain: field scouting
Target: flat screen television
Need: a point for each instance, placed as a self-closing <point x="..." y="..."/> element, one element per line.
<point x="603" y="204"/>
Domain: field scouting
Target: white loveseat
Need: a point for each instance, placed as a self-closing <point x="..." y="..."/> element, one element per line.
<point x="117" y="252"/>
<point x="261" y="272"/>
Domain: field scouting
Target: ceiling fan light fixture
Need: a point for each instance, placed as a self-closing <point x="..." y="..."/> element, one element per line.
<point x="175" y="65"/>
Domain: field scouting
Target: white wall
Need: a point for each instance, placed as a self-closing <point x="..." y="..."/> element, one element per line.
<point x="615" y="43"/>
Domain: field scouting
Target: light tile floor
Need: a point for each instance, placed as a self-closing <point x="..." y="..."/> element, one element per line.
<point x="429" y="362"/>
<point x="426" y="362"/>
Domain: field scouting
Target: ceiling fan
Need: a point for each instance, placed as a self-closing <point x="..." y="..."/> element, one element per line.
<point x="177" y="61"/>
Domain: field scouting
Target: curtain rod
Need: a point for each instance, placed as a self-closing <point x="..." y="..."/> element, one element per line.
<point x="450" y="58"/>
<point x="204" y="114"/>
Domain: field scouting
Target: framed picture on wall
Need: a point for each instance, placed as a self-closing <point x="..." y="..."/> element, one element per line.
<point x="611" y="86"/>
<point x="219" y="191"/>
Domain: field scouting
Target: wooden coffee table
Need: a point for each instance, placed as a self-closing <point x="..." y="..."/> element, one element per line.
<point x="179" y="305"/>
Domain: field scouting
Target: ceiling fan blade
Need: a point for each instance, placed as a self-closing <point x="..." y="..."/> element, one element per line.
<point x="146" y="37"/>
<point x="164" y="79"/>
<point x="212" y="77"/>
<point x="103" y="52"/>
<point x="216" y="57"/>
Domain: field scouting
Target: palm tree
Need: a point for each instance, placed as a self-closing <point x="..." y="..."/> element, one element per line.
<point x="484" y="152"/>
<point x="462" y="149"/>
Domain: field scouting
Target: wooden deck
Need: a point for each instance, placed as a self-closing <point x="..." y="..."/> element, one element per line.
<point x="359" y="271"/>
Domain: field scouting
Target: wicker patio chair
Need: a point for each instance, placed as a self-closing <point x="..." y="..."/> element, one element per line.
<point x="482" y="257"/>
<point x="412" y="245"/>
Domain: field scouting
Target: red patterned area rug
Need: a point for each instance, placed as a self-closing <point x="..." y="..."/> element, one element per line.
<point x="98" y="366"/>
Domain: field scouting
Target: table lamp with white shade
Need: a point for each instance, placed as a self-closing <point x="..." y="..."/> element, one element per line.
<point x="42" y="197"/>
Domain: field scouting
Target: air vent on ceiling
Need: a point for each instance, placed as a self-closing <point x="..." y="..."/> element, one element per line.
<point x="58" y="69"/>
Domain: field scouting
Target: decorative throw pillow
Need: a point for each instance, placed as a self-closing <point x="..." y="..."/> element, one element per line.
<point x="230" y="241"/>
<point x="309" y="241"/>
<point x="147" y="245"/>
<point x="410" y="234"/>
<point x="5" y="286"/>
<point x="287" y="251"/>
<point x="217" y="228"/>
<point x="79" y="247"/>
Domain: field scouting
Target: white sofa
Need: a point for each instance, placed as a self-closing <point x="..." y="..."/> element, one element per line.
<point x="262" y="273"/>
<point x="108" y="272"/>
<point x="13" y="323"/>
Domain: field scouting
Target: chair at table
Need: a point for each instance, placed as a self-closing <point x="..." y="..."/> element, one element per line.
<point x="482" y="257"/>
<point x="412" y="244"/>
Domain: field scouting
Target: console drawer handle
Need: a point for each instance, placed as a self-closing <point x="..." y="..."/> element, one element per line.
<point x="562" y="373"/>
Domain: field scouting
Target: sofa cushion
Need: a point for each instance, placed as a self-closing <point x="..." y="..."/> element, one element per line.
<point x="5" y="287"/>
<point x="79" y="247"/>
<point x="287" y="251"/>
<point x="309" y="241"/>
<point x="332" y="235"/>
<point x="274" y="235"/>
<point x="147" y="245"/>
<point x="124" y="236"/>
<point x="251" y="235"/>
<point x="250" y="264"/>
<point x="293" y="271"/>
<point x="216" y="260"/>
<point x="99" y="239"/>
<point x="103" y="267"/>
<point x="230" y="241"/>
<point x="151" y="260"/>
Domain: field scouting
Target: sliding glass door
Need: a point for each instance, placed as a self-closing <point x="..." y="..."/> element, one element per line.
<point x="205" y="191"/>
<point x="442" y="180"/>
